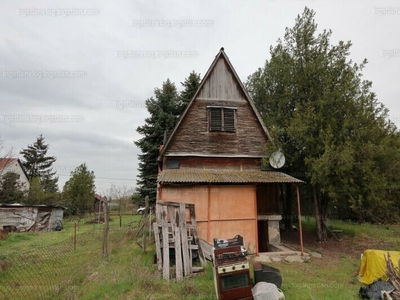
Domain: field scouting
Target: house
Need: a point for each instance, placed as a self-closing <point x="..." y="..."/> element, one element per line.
<point x="31" y="218"/>
<point x="14" y="165"/>
<point x="98" y="203"/>
<point x="213" y="159"/>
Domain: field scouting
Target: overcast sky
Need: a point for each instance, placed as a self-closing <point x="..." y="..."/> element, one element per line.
<point x="79" y="72"/>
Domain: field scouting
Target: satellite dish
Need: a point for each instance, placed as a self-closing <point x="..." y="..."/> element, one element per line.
<point x="277" y="160"/>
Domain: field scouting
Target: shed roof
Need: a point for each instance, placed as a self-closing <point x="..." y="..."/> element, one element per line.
<point x="30" y="205"/>
<point x="100" y="198"/>
<point x="223" y="176"/>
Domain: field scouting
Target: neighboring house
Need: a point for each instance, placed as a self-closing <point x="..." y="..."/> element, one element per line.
<point x="14" y="165"/>
<point x="213" y="159"/>
<point x="31" y="218"/>
<point x="98" y="203"/>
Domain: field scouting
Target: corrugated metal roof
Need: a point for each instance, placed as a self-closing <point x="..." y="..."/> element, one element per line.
<point x="30" y="205"/>
<point x="223" y="176"/>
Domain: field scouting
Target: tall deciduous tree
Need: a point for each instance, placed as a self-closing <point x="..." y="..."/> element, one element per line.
<point x="165" y="109"/>
<point x="78" y="191"/>
<point x="327" y="121"/>
<point x="38" y="164"/>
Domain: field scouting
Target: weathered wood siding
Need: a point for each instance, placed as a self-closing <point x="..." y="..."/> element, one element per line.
<point x="218" y="163"/>
<point x="221" y="84"/>
<point x="221" y="211"/>
<point x="193" y="136"/>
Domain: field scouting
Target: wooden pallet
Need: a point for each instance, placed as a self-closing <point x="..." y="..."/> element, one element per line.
<point x="176" y="228"/>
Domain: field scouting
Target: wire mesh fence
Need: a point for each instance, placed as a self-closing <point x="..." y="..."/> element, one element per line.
<point x="47" y="265"/>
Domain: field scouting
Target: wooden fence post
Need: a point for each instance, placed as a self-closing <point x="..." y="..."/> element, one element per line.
<point x="75" y="237"/>
<point x="146" y="201"/>
<point x="105" y="230"/>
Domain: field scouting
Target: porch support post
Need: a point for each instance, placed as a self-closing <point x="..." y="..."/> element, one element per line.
<point x="299" y="217"/>
<point x="209" y="213"/>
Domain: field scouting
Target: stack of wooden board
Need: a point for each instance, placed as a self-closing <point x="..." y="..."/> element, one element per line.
<point x="175" y="232"/>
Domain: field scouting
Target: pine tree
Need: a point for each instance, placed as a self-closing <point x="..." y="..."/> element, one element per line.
<point x="37" y="164"/>
<point x="165" y="110"/>
<point x="78" y="191"/>
<point x="329" y="124"/>
<point x="190" y="86"/>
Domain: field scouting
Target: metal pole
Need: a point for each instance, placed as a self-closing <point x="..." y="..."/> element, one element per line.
<point x="299" y="217"/>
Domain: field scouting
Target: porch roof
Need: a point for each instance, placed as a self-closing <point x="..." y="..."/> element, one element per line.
<point x="223" y="176"/>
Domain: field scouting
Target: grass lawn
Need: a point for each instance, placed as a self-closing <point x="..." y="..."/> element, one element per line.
<point x="47" y="265"/>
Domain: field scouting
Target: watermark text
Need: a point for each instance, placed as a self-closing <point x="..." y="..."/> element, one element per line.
<point x="54" y="12"/>
<point x="172" y="23"/>
<point x="155" y="54"/>
<point x="43" y="74"/>
<point x="40" y="118"/>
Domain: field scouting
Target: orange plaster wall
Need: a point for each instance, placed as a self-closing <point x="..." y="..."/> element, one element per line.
<point x="233" y="210"/>
<point x="232" y="202"/>
<point x="197" y="195"/>
<point x="202" y="228"/>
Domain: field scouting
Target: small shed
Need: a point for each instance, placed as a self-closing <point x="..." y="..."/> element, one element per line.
<point x="31" y="218"/>
<point x="98" y="203"/>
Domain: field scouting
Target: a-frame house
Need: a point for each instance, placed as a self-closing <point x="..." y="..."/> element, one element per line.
<point x="213" y="159"/>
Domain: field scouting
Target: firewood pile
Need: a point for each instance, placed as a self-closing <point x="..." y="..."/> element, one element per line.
<point x="394" y="277"/>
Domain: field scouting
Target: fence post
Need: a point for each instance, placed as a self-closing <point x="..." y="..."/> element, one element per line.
<point x="150" y="223"/>
<point x="119" y="212"/>
<point x="75" y="236"/>
<point x="146" y="201"/>
<point x="105" y="230"/>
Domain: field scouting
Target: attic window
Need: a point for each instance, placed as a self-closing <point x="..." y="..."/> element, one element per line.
<point x="222" y="119"/>
<point x="173" y="164"/>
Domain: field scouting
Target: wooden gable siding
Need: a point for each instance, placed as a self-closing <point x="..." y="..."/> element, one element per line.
<point x="221" y="84"/>
<point x="218" y="163"/>
<point x="193" y="135"/>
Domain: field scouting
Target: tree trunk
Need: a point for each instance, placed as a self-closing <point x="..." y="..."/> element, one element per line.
<point x="319" y="216"/>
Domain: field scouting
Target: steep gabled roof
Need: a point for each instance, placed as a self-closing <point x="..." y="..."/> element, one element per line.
<point x="221" y="55"/>
<point x="4" y="162"/>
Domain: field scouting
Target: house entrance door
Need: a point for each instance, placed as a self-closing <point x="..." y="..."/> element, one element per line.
<point x="263" y="236"/>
